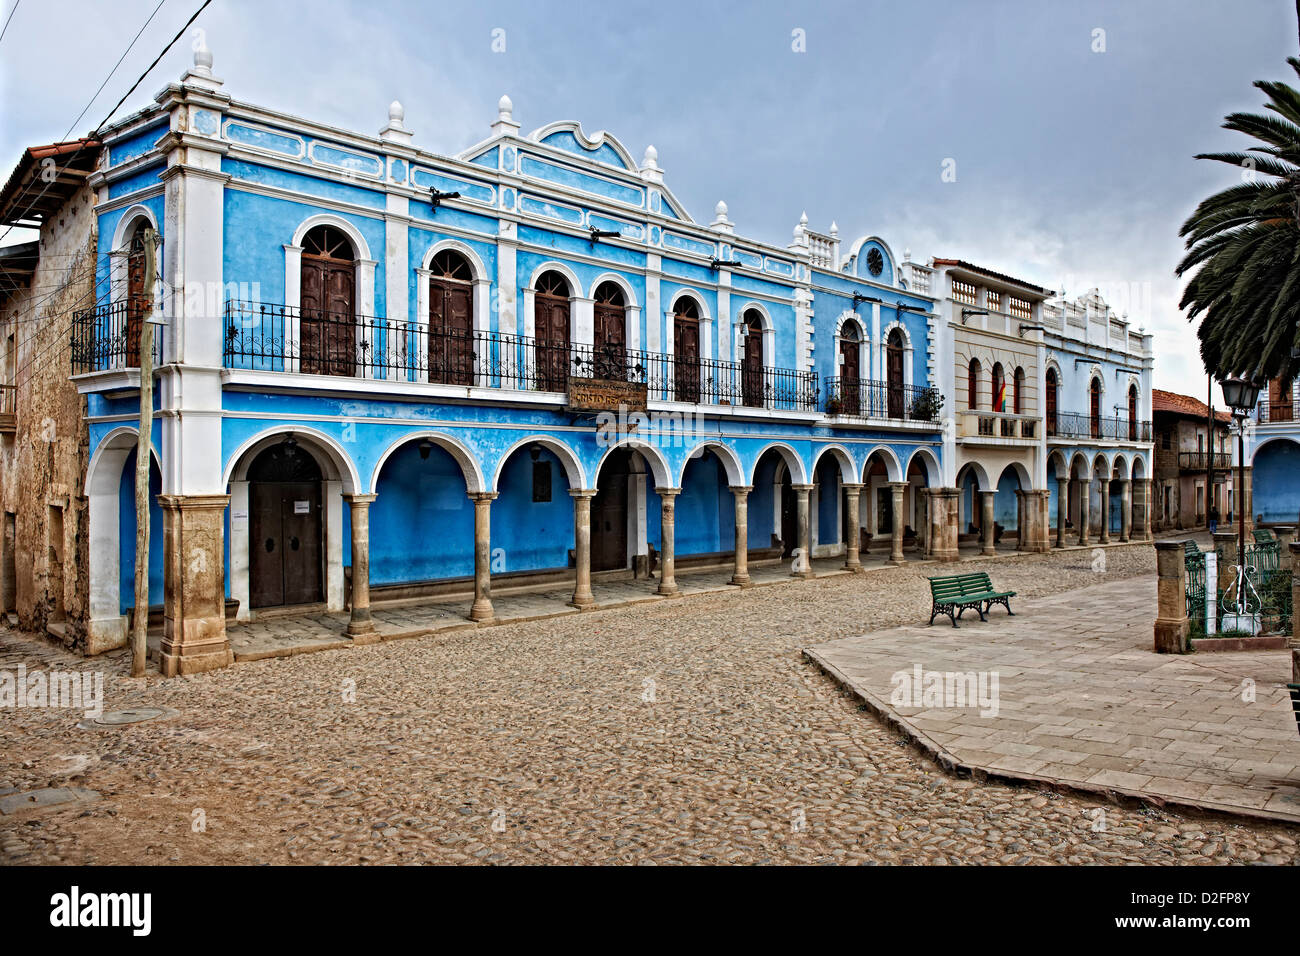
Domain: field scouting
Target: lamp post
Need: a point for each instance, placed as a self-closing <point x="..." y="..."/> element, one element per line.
<point x="1240" y="395"/>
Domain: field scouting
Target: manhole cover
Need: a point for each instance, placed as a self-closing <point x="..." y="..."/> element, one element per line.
<point x="132" y="715"/>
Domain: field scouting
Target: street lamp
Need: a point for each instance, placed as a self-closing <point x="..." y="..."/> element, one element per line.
<point x="1240" y="395"/>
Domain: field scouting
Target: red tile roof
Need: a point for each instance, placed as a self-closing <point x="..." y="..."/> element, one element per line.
<point x="1174" y="404"/>
<point x="1000" y="276"/>
<point x="35" y="191"/>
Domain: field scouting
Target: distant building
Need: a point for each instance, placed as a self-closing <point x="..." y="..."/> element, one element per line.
<point x="1185" y="457"/>
<point x="1273" y="455"/>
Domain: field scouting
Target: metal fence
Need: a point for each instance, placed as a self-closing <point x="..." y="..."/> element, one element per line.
<point x="1118" y="428"/>
<point x="1195" y="565"/>
<point x="874" y="399"/>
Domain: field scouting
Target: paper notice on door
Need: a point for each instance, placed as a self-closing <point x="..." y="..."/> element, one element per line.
<point x="302" y="507"/>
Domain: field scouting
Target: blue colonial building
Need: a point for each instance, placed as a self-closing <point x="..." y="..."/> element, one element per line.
<point x="382" y="371"/>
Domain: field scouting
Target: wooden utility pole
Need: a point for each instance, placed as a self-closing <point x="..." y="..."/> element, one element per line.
<point x="140" y="630"/>
<point x="1209" y="445"/>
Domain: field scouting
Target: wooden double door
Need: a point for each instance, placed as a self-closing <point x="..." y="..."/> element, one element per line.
<point x="451" y="332"/>
<point x="751" y="369"/>
<point x="285" y="538"/>
<point x="609" y="514"/>
<point x="850" y="376"/>
<point x="328" y="329"/>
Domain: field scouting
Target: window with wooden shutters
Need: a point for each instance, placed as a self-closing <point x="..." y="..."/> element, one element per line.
<point x="1018" y="386"/>
<point x="551" y="325"/>
<point x="451" y="319"/>
<point x="851" y="368"/>
<point x="1132" y="413"/>
<point x="686" y="351"/>
<point x="1050" y="401"/>
<point x="138" y="295"/>
<point x="973" y="384"/>
<point x="1094" y="406"/>
<point x="610" y="343"/>
<point x="751" y="370"/>
<point x="328" y="330"/>
<point x="894" y="374"/>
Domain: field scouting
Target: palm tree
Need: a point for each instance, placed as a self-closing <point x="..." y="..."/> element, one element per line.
<point x="1246" y="242"/>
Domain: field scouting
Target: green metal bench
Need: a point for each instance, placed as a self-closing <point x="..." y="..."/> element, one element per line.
<point x="1263" y="535"/>
<point x="1295" y="702"/>
<point x="977" y="585"/>
<point x="952" y="594"/>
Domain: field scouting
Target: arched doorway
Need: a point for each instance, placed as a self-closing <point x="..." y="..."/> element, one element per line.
<point x="451" y="319"/>
<point x="138" y="294"/>
<point x="1273" y="485"/>
<point x="973" y="385"/>
<point x="285" y="540"/>
<point x="686" y="350"/>
<point x="850" y="368"/>
<point x="327" y="330"/>
<point x="610" y="358"/>
<point x="609" y="512"/>
<point x="751" y="371"/>
<point x="551" y="327"/>
<point x="1050" y="401"/>
<point x="894" y="374"/>
<point x="1133" y="413"/>
<point x="1094" y="407"/>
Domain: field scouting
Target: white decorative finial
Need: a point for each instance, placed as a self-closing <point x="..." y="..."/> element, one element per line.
<point x="505" y="124"/>
<point x="650" y="170"/>
<point x="720" y="221"/>
<point x="395" y="131"/>
<point x="835" y="228"/>
<point x="803" y="219"/>
<point x="907" y="255"/>
<point x="200" y="71"/>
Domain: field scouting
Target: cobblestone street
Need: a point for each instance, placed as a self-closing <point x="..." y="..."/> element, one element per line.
<point x="676" y="732"/>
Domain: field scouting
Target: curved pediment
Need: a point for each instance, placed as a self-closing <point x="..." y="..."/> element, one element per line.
<point x="601" y="146"/>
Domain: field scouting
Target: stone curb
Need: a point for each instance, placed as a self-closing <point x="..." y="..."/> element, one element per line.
<point x="954" y="766"/>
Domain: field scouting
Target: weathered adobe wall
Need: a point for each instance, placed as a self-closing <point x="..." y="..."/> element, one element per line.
<point x="44" y="462"/>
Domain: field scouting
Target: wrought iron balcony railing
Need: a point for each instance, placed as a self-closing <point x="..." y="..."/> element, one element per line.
<point x="862" y="398"/>
<point x="1118" y="428"/>
<point x="1204" y="460"/>
<point x="107" y="337"/>
<point x="278" y="338"/>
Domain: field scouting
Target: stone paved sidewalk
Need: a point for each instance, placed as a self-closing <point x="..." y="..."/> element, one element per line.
<point x="1085" y="703"/>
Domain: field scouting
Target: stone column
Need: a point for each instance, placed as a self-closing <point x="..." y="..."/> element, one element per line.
<point x="1023" y="521"/>
<point x="986" y="523"/>
<point x="1104" y="538"/>
<point x="582" y="596"/>
<point x="1285" y="534"/>
<point x="667" y="531"/>
<point x="740" y="575"/>
<point x="1041" y="506"/>
<point x="482" y="610"/>
<point x="1062" y="509"/>
<point x="1294" y="642"/>
<point x="943" y="523"/>
<point x="1146" y="509"/>
<point x="360" y="627"/>
<point x="1225" y="542"/>
<point x="896" y="542"/>
<point x="194" y="585"/>
<point x="852" y="560"/>
<point x="923" y="532"/>
<point x="803" y="560"/>
<point x="1125" y="509"/>
<point x="1085" y="492"/>
<point x="1171" y="598"/>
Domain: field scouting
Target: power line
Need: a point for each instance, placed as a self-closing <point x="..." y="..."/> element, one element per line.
<point x="115" y="66"/>
<point x="8" y="18"/>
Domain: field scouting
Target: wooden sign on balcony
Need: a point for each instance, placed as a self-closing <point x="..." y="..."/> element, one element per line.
<point x="605" y="395"/>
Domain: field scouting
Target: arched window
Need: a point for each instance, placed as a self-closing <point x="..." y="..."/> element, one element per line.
<point x="1052" y="385"/>
<point x="1132" y="413"/>
<point x="551" y="327"/>
<point x="328" y="329"/>
<point x="973" y="385"/>
<point x="1018" y="384"/>
<point x="686" y="350"/>
<point x="610" y="358"/>
<point x="894" y="374"/>
<point x="1094" y="406"/>
<point x="751" y="368"/>
<point x="850" y="390"/>
<point x="999" y="388"/>
<point x="451" y="319"/>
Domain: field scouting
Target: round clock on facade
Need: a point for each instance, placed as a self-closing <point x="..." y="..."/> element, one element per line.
<point x="875" y="262"/>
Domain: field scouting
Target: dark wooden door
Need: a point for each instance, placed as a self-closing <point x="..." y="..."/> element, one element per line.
<point x="552" y="327"/>
<point x="328" y="329"/>
<point x="850" y="373"/>
<point x="894" y="380"/>
<point x="1094" y="411"/>
<point x="686" y="359"/>
<point x="609" y="516"/>
<point x="285" y="538"/>
<point x="137" y="301"/>
<point x="1279" y="401"/>
<point x="1051" y="403"/>
<point x="751" y="371"/>
<point x="789" y="519"/>
<point x="610" y="359"/>
<point x="884" y="511"/>
<point x="451" y="332"/>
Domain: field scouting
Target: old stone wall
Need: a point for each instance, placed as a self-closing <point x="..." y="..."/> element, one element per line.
<point x="43" y="462"/>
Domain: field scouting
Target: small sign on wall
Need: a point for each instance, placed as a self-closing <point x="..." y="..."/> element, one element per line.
<point x="302" y="507"/>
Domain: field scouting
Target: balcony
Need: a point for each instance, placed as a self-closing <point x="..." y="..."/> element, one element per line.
<point x="107" y="338"/>
<point x="1204" y="460"/>
<point x="1119" y="428"/>
<point x="859" y="398"/>
<point x="276" y="338"/>
<point x="1271" y="413"/>
<point x="988" y="424"/>
<point x="8" y="409"/>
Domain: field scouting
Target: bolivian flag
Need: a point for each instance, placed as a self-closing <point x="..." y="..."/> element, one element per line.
<point x="1000" y="401"/>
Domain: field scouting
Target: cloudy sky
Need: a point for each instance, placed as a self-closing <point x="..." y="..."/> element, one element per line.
<point x="1070" y="126"/>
